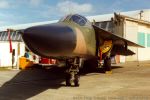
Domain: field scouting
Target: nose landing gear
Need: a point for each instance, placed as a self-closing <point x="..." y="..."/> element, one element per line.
<point x="72" y="72"/>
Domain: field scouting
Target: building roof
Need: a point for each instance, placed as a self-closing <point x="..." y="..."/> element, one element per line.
<point x="23" y="26"/>
<point x="134" y="19"/>
<point x="107" y="17"/>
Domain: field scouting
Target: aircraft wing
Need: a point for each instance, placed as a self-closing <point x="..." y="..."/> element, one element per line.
<point x="117" y="40"/>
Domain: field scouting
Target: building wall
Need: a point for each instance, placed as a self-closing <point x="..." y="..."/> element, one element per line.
<point x="144" y="39"/>
<point x="132" y="57"/>
<point x="6" y="56"/>
<point x="130" y="33"/>
<point x="146" y="15"/>
<point x="138" y="33"/>
<point x="131" y="29"/>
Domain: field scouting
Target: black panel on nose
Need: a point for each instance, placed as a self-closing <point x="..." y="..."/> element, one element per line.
<point x="50" y="40"/>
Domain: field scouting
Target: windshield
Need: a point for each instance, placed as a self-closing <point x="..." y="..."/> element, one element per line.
<point x="82" y="21"/>
<point x="79" y="20"/>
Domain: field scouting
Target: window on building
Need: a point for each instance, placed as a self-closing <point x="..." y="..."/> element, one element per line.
<point x="18" y="36"/>
<point x="1" y="35"/>
<point x="98" y="24"/>
<point x="104" y="25"/>
<point x="14" y="36"/>
<point x="141" y="38"/>
<point x="148" y="40"/>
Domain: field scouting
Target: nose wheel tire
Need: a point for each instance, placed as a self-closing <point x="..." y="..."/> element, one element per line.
<point x="72" y="71"/>
<point x="70" y="78"/>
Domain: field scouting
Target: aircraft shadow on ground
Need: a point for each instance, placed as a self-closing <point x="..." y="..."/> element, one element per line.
<point x="116" y="67"/>
<point x="29" y="83"/>
<point x="85" y="71"/>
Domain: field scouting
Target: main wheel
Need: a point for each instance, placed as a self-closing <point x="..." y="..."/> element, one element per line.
<point x="76" y="80"/>
<point x="107" y="64"/>
<point x="68" y="79"/>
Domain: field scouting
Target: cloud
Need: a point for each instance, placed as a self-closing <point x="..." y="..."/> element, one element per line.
<point x="35" y="2"/>
<point x="67" y="7"/>
<point x="4" y="4"/>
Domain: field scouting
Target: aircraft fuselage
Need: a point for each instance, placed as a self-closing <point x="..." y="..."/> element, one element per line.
<point x="63" y="39"/>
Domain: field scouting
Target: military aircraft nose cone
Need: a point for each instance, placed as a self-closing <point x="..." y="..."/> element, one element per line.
<point x="50" y="40"/>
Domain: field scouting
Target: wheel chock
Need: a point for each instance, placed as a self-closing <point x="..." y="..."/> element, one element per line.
<point x="108" y="72"/>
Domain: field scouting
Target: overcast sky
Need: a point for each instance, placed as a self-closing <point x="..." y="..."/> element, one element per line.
<point x="28" y="11"/>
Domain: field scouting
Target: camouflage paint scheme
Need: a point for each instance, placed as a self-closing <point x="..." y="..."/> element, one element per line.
<point x="70" y="39"/>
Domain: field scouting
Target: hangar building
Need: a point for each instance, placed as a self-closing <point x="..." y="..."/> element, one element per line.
<point x="132" y="25"/>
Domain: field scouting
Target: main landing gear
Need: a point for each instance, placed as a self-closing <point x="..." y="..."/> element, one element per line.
<point x="107" y="64"/>
<point x="72" y="72"/>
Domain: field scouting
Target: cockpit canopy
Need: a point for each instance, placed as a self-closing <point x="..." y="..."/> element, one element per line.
<point x="78" y="19"/>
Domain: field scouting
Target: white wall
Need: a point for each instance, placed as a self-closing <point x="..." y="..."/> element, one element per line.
<point x="146" y="15"/>
<point x="143" y="54"/>
<point x="130" y="33"/>
<point x="131" y="29"/>
<point x="6" y="56"/>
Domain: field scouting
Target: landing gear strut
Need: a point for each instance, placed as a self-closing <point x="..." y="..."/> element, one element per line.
<point x="72" y="72"/>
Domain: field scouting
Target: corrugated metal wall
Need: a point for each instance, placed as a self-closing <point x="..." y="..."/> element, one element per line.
<point x="15" y="36"/>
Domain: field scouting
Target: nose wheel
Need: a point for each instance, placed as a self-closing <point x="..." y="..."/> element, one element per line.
<point x="72" y="72"/>
<point x="68" y="79"/>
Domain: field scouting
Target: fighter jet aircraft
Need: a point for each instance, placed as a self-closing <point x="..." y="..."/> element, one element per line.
<point x="72" y="38"/>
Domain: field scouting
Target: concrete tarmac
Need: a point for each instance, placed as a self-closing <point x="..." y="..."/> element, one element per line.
<point x="129" y="81"/>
